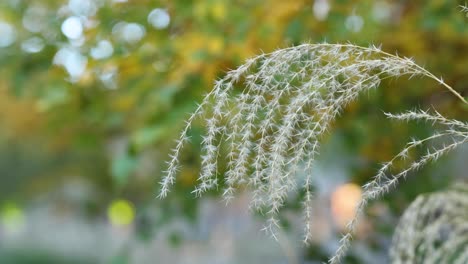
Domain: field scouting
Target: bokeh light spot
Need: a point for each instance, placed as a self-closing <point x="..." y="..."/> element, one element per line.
<point x="83" y="7"/>
<point x="121" y="213"/>
<point x="102" y="50"/>
<point x="33" y="45"/>
<point x="72" y="27"/>
<point x="159" y="18"/>
<point x="344" y="201"/>
<point x="73" y="62"/>
<point x="321" y="9"/>
<point x="12" y="218"/>
<point x="33" y="19"/>
<point x="382" y="11"/>
<point x="129" y="32"/>
<point x="354" y="23"/>
<point x="7" y="34"/>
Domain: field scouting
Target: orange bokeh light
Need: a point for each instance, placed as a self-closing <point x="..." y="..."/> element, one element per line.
<point x="343" y="203"/>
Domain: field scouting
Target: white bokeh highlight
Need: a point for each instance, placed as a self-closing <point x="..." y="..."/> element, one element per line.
<point x="7" y="34"/>
<point x="159" y="18"/>
<point x="83" y="7"/>
<point x="129" y="32"/>
<point x="321" y="9"/>
<point x="33" y="45"/>
<point x="354" y="23"/>
<point x="34" y="19"/>
<point x="73" y="62"/>
<point x="72" y="27"/>
<point x="102" y="50"/>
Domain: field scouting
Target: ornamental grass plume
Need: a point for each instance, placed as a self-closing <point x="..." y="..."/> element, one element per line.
<point x="464" y="8"/>
<point x="272" y="129"/>
<point x="434" y="229"/>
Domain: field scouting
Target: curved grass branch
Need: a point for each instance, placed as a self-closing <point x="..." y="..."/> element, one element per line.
<point x="273" y="128"/>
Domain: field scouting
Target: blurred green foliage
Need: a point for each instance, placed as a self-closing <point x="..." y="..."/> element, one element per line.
<point x="112" y="121"/>
<point x="30" y="255"/>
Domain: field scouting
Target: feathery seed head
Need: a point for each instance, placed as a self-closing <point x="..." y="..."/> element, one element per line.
<point x="274" y="126"/>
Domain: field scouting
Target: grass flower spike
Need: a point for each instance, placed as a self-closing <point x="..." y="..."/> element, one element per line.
<point x="272" y="128"/>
